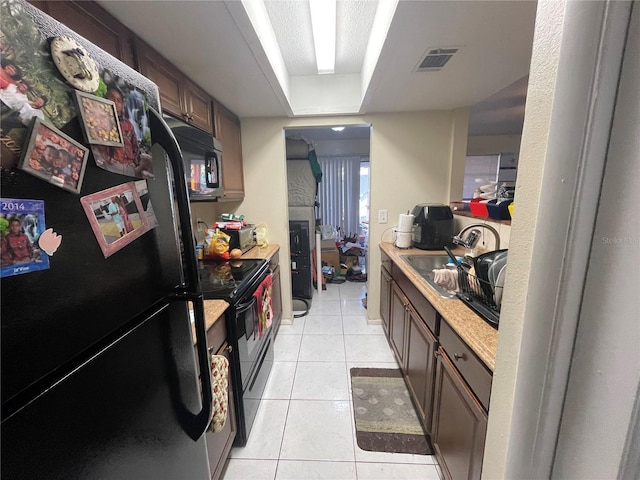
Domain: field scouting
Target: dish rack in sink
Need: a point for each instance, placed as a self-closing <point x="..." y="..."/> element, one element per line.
<point x="478" y="294"/>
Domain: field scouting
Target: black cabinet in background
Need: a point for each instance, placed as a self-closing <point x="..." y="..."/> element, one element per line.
<point x="300" y="258"/>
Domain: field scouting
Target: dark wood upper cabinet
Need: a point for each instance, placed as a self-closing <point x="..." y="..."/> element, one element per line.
<point x="227" y="130"/>
<point x="168" y="79"/>
<point x="179" y="96"/>
<point x="94" y="23"/>
<point x="198" y="104"/>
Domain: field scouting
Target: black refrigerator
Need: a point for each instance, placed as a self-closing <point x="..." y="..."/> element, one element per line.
<point x="100" y="376"/>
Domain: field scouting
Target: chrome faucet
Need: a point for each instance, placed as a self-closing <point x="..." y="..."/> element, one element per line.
<point x="474" y="236"/>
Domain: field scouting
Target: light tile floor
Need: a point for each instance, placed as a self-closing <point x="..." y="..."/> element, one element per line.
<point x="304" y="428"/>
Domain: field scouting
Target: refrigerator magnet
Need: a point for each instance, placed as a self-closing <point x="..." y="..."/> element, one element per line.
<point x="99" y="119"/>
<point x="54" y="157"/>
<point x="116" y="216"/>
<point x="22" y="224"/>
<point x="75" y="64"/>
<point x="145" y="200"/>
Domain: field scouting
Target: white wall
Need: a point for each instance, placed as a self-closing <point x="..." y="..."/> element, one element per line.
<point x="411" y="162"/>
<point x="606" y="360"/>
<point x="575" y="62"/>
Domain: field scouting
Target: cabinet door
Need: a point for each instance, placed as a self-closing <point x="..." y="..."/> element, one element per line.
<point x="219" y="443"/>
<point x="198" y="106"/>
<point x="227" y="130"/>
<point x="94" y="23"/>
<point x="276" y="298"/>
<point x="169" y="80"/>
<point x="397" y="322"/>
<point x="459" y="424"/>
<point x="420" y="363"/>
<point x="385" y="298"/>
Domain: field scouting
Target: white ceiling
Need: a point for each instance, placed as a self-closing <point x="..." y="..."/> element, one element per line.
<point x="215" y="44"/>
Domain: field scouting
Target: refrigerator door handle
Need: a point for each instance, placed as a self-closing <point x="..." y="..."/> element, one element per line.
<point x="204" y="417"/>
<point x="163" y="136"/>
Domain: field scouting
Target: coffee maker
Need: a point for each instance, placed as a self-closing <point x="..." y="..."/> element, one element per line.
<point x="432" y="227"/>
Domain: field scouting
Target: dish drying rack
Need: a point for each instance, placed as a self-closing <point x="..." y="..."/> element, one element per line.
<point x="478" y="294"/>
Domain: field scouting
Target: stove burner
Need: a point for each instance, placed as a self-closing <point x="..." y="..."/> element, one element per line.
<point x="227" y="280"/>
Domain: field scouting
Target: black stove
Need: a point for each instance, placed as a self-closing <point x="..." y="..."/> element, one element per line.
<point x="229" y="280"/>
<point x="251" y="355"/>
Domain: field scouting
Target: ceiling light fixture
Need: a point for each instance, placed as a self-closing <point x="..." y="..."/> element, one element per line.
<point x="337" y="129"/>
<point x="323" y="23"/>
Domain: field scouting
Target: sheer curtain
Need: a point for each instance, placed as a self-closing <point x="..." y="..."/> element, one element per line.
<point x="339" y="192"/>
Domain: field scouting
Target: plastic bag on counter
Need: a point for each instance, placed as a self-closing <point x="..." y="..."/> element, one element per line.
<point x="216" y="244"/>
<point x="261" y="235"/>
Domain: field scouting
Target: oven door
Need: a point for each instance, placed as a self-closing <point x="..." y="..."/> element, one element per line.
<point x="248" y="337"/>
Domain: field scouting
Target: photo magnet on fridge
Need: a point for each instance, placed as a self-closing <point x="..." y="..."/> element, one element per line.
<point x="54" y="157"/>
<point x="22" y="226"/>
<point x="116" y="215"/>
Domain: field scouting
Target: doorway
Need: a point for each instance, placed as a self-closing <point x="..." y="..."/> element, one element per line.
<point x="342" y="201"/>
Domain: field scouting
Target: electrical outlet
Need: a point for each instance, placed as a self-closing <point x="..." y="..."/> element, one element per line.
<point x="199" y="225"/>
<point x="382" y="216"/>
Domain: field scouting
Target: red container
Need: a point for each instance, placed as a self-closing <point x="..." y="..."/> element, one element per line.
<point x="478" y="209"/>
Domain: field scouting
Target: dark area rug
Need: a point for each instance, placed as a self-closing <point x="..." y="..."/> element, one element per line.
<point x="385" y="418"/>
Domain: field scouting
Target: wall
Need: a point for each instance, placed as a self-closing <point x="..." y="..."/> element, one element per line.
<point x="487" y="240"/>
<point x="411" y="161"/>
<point x="606" y="361"/>
<point x="492" y="144"/>
<point x="575" y="62"/>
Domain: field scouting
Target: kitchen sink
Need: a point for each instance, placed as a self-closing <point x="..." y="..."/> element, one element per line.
<point x="424" y="264"/>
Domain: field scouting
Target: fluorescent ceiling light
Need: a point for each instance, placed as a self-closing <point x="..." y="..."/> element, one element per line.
<point x="323" y="23"/>
<point x="337" y="129"/>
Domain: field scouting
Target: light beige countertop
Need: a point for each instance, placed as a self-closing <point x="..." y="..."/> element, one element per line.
<point x="213" y="311"/>
<point x="478" y="334"/>
<point x="265" y="252"/>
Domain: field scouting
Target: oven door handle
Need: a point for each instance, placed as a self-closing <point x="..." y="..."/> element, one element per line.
<point x="241" y="307"/>
<point x="249" y="327"/>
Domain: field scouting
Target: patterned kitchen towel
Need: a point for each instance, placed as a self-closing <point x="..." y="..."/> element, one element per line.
<point x="220" y="391"/>
<point x="264" y="305"/>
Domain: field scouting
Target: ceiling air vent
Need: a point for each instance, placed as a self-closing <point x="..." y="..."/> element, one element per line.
<point x="436" y="59"/>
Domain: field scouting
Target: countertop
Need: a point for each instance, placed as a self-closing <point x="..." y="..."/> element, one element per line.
<point x="266" y="252"/>
<point x="213" y="311"/>
<point x="478" y="334"/>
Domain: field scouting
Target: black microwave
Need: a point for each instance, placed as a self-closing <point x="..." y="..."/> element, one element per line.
<point x="202" y="156"/>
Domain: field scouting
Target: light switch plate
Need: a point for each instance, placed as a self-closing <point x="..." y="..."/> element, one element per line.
<point x="382" y="216"/>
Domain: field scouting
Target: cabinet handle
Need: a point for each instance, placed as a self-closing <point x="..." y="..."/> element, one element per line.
<point x="458" y="356"/>
<point x="229" y="348"/>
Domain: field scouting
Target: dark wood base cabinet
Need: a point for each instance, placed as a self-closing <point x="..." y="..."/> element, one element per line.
<point x="459" y="424"/>
<point x="276" y="294"/>
<point x="219" y="443"/>
<point x="399" y="305"/>
<point x="420" y="365"/>
<point x="385" y="298"/>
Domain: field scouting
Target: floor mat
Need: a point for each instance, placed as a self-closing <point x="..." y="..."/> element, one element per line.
<point x="385" y="418"/>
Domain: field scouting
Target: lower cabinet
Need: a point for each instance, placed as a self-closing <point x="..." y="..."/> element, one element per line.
<point x="459" y="424"/>
<point x="276" y="293"/>
<point x="449" y="385"/>
<point x="385" y="298"/>
<point x="399" y="305"/>
<point x="219" y="443"/>
<point x="420" y="365"/>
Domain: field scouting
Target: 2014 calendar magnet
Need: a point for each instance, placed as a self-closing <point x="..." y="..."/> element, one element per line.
<point x="22" y="225"/>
